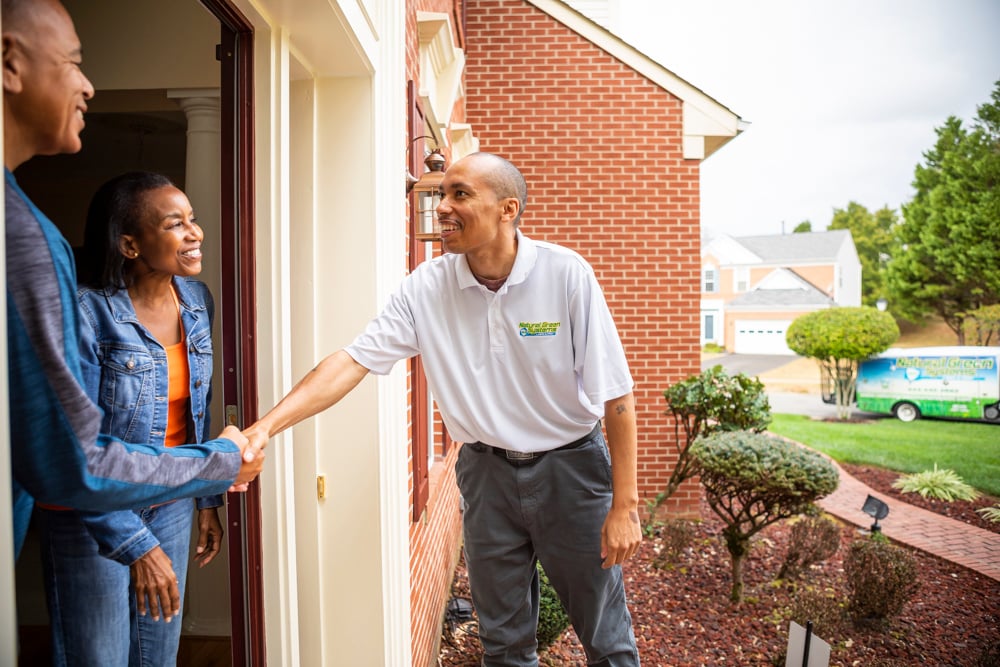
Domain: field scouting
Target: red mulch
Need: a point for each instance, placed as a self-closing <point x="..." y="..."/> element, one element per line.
<point x="683" y="618"/>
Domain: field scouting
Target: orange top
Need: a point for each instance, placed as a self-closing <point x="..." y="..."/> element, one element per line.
<point x="178" y="388"/>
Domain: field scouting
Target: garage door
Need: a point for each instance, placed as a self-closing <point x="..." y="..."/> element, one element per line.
<point x="761" y="337"/>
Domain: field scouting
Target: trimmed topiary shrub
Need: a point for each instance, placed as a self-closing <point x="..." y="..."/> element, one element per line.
<point x="552" y="618"/>
<point x="702" y="404"/>
<point x="881" y="578"/>
<point x="753" y="480"/>
<point x="840" y="339"/>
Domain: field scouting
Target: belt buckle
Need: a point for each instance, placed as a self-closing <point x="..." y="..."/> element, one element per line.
<point x="519" y="456"/>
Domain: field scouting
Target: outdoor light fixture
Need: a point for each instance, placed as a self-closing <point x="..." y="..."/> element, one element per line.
<point x="882" y="304"/>
<point x="427" y="197"/>
<point x="876" y="509"/>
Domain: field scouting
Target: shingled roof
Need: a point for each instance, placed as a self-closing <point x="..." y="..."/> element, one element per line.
<point x="782" y="288"/>
<point x="796" y="248"/>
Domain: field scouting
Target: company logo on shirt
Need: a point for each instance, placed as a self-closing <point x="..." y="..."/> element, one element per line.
<point x="539" y="328"/>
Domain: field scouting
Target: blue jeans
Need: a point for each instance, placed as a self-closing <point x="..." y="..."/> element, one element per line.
<point x="92" y="606"/>
<point x="549" y="510"/>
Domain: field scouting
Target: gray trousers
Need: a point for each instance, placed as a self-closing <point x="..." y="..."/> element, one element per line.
<point x="551" y="510"/>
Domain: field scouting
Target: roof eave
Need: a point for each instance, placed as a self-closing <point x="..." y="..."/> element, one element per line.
<point x="707" y="124"/>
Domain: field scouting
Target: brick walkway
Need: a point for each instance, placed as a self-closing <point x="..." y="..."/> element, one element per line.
<point x="975" y="548"/>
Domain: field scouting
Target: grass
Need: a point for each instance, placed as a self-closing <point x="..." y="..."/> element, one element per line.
<point x="971" y="449"/>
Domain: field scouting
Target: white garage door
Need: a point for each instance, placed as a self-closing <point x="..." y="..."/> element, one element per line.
<point x="761" y="337"/>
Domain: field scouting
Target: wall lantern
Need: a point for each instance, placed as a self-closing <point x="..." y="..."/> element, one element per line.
<point x="427" y="197"/>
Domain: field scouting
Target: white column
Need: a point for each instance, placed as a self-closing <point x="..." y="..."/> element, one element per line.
<point x="206" y="604"/>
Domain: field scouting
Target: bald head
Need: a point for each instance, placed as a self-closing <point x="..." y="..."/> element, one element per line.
<point x="45" y="90"/>
<point x="502" y="177"/>
<point x="27" y="16"/>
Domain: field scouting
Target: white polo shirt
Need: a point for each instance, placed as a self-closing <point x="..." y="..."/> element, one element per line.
<point x="527" y="368"/>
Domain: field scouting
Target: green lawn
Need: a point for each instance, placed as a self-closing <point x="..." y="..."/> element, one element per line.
<point x="971" y="449"/>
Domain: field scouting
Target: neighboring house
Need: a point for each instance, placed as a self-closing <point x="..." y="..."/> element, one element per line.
<point x="753" y="287"/>
<point x="291" y="125"/>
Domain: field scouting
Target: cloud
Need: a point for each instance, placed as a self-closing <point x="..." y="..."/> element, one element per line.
<point x="843" y="97"/>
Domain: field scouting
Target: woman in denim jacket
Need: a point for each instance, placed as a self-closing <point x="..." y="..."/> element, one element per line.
<point x="115" y="580"/>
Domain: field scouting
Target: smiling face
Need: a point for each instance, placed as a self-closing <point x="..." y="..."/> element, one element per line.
<point x="168" y="241"/>
<point x="472" y="216"/>
<point x="45" y="89"/>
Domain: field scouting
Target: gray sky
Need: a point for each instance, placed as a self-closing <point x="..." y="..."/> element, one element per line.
<point x="842" y="96"/>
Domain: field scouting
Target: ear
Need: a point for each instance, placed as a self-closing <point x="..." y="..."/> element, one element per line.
<point x="510" y="208"/>
<point x="13" y="64"/>
<point x="128" y="246"/>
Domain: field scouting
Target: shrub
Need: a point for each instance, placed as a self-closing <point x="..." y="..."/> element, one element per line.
<point x="676" y="536"/>
<point x="552" y="618"/>
<point x="990" y="657"/>
<point x="821" y="607"/>
<point x="753" y="480"/>
<point x="940" y="484"/>
<point x="840" y="339"/>
<point x="706" y="403"/>
<point x="991" y="514"/>
<point x="881" y="578"/>
<point x="812" y="539"/>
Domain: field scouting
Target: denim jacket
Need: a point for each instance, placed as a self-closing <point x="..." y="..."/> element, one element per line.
<point x="125" y="370"/>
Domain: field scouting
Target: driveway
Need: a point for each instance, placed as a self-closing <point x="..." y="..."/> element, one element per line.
<point x="786" y="402"/>
<point x="750" y="365"/>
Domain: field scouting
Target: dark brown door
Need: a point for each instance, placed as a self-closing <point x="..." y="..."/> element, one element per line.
<point x="238" y="325"/>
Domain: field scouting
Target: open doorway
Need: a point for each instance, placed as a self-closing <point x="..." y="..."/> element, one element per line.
<point x="173" y="96"/>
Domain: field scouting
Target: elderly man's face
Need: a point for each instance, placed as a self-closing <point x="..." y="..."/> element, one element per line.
<point x="48" y="109"/>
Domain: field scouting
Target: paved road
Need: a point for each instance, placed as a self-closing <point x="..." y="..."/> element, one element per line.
<point x="810" y="405"/>
<point x="748" y="364"/>
<point x="792" y="403"/>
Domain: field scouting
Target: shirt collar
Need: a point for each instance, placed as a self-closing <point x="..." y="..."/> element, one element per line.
<point x="524" y="261"/>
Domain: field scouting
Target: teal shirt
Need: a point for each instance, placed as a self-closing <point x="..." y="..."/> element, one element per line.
<point x="58" y="455"/>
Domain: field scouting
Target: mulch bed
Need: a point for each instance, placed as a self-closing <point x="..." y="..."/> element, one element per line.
<point x="683" y="617"/>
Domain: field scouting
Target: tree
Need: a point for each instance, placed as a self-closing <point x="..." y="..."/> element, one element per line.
<point x="803" y="227"/>
<point x="706" y="403"/>
<point x="840" y="339"/>
<point x="948" y="257"/>
<point x="982" y="326"/>
<point x="873" y="239"/>
<point x="753" y="480"/>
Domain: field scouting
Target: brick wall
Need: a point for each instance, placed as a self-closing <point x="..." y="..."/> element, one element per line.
<point x="600" y="147"/>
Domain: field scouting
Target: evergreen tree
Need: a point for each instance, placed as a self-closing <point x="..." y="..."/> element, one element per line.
<point x="948" y="257"/>
<point x="873" y="239"/>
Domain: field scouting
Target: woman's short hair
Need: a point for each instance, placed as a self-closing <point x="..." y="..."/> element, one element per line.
<point x="116" y="209"/>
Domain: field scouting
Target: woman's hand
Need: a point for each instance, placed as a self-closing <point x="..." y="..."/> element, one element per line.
<point x="154" y="579"/>
<point x="209" y="536"/>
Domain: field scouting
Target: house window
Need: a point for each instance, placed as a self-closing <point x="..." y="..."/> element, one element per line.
<point x="741" y="279"/>
<point x="710" y="279"/>
<point x="708" y="328"/>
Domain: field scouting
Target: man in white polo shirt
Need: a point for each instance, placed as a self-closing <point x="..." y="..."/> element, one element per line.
<point x="524" y="360"/>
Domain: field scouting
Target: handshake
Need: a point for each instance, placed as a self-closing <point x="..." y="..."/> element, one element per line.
<point x="251" y="443"/>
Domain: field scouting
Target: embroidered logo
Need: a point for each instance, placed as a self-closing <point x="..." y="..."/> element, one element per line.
<point x="538" y="328"/>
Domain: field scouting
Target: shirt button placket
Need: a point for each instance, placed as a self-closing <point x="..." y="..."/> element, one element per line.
<point x="495" y="320"/>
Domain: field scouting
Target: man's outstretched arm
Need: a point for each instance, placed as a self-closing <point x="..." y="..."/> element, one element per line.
<point x="327" y="383"/>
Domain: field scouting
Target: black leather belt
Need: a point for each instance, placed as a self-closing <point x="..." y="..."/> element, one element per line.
<point x="516" y="458"/>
